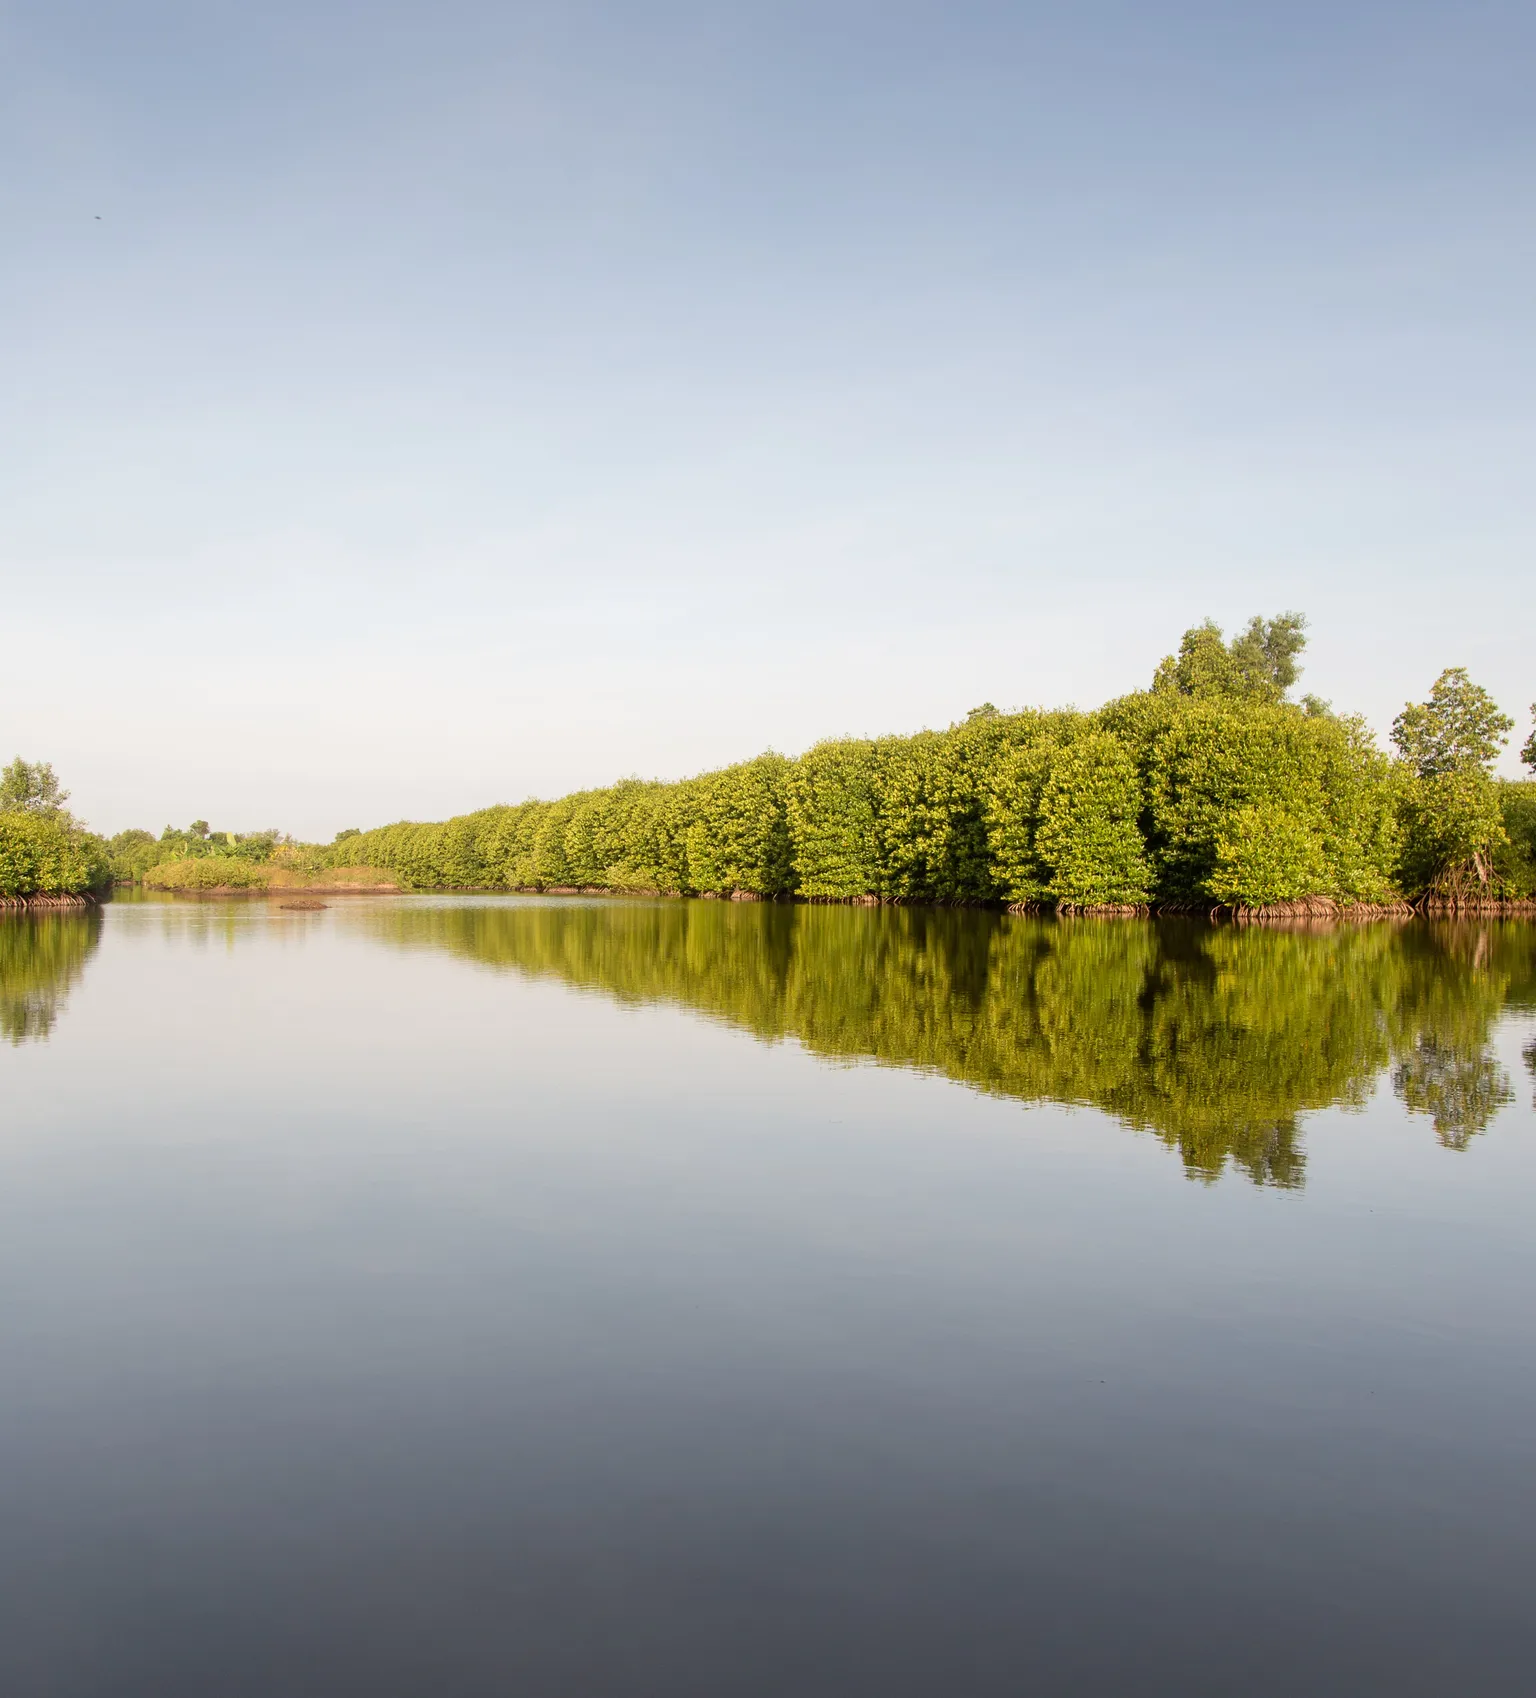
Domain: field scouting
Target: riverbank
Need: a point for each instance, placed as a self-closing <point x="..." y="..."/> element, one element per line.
<point x="217" y="875"/>
<point x="1311" y="912"/>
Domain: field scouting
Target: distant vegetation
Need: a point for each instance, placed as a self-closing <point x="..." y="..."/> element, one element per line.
<point x="135" y="854"/>
<point x="231" y="873"/>
<point x="1210" y="787"/>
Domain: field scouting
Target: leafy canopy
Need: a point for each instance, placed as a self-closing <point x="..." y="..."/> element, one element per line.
<point x="1259" y="664"/>
<point x="1459" y="729"/>
<point x="1265" y="854"/>
<point x="31" y="787"/>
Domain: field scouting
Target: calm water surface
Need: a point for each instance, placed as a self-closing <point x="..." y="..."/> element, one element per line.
<point x="490" y="1296"/>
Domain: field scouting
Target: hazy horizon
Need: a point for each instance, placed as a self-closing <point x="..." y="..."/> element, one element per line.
<point x="414" y="409"/>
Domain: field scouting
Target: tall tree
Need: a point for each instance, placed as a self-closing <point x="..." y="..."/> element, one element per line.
<point x="1259" y="664"/>
<point x="1459" y="729"/>
<point x="31" y="787"/>
<point x="1267" y="652"/>
<point x="1455" y="828"/>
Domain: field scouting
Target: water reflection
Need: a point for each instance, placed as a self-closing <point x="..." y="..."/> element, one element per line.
<point x="1215" y="1039"/>
<point x="42" y="955"/>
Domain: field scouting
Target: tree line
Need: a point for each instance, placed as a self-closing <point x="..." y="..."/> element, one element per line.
<point x="1211" y="787"/>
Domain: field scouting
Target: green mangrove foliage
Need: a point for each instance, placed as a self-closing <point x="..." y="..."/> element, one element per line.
<point x="1088" y="835"/>
<point x="1258" y="665"/>
<point x="45" y="853"/>
<point x="1208" y="788"/>
<point x="1515" y="856"/>
<point x="1453" y="810"/>
<point x="1217" y="1040"/>
<point x="1455" y="839"/>
<point x="42" y="955"/>
<point x="43" y="856"/>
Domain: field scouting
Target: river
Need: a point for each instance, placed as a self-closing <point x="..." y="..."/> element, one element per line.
<point x="484" y="1295"/>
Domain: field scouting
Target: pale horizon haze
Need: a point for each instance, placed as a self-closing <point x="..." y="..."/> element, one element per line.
<point x="408" y="408"/>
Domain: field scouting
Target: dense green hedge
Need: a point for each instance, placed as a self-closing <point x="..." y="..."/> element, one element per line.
<point x="1242" y="803"/>
<point x="1209" y="788"/>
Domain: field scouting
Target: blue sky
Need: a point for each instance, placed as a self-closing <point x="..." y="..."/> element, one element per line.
<point x="411" y="407"/>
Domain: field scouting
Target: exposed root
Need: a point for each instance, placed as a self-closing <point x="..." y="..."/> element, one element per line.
<point x="45" y="899"/>
<point x="1312" y="911"/>
<point x="1441" y="906"/>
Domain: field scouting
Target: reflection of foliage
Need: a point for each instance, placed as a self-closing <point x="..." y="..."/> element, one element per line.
<point x="41" y="957"/>
<point x="1462" y="1090"/>
<point x="1215" y="1040"/>
<point x="1528" y="1056"/>
<point x="1455" y="979"/>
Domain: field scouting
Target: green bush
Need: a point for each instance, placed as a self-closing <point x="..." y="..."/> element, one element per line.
<point x="738" y="838"/>
<point x="46" y="854"/>
<point x="1265" y="855"/>
<point x="208" y="872"/>
<point x="833" y="803"/>
<point x="1209" y="761"/>
<point x="1515" y="859"/>
<point x="1453" y="832"/>
<point x="1089" y="837"/>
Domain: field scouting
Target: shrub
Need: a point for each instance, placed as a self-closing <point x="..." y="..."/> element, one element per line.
<point x="1088" y="836"/>
<point x="45" y="854"/>
<point x="1265" y="854"/>
<point x="208" y="872"/>
<point x="832" y="799"/>
<point x="1453" y="831"/>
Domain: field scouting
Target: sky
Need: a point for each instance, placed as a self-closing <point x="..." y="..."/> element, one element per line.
<point x="408" y="407"/>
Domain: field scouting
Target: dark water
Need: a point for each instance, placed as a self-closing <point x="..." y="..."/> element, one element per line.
<point x="517" y="1297"/>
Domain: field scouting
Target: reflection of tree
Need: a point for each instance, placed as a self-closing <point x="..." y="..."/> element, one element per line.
<point x="41" y="957"/>
<point x="1528" y="1054"/>
<point x="1453" y="981"/>
<point x="1215" y="1039"/>
<point x="1461" y="1088"/>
